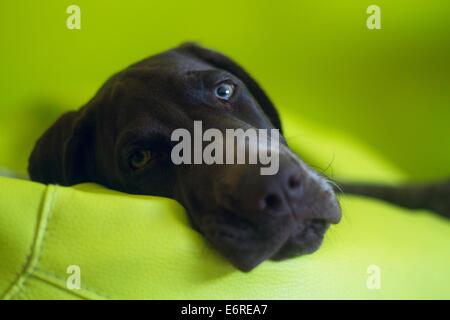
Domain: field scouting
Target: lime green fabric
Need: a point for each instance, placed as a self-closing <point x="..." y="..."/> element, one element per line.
<point x="315" y="58"/>
<point x="142" y="247"/>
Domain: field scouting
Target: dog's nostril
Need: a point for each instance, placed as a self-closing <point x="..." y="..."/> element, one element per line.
<point x="294" y="182"/>
<point x="272" y="201"/>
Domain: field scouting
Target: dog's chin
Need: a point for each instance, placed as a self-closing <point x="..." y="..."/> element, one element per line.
<point x="306" y="241"/>
<point x="247" y="245"/>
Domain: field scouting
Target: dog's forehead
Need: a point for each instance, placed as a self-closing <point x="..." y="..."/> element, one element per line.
<point x="151" y="89"/>
<point x="155" y="77"/>
<point x="170" y="63"/>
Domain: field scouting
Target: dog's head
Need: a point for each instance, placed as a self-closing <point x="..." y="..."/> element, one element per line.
<point x="122" y="139"/>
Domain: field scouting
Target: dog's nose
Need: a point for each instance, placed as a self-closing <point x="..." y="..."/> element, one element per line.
<point x="292" y="191"/>
<point x="271" y="195"/>
<point x="276" y="193"/>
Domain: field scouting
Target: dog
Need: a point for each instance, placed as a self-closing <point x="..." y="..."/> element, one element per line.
<point x="122" y="139"/>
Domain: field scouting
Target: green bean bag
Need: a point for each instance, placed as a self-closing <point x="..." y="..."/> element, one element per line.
<point x="126" y="246"/>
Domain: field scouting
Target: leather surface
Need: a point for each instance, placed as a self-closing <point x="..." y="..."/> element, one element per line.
<point x="141" y="247"/>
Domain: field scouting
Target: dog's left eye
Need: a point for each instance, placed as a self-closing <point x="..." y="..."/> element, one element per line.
<point x="140" y="158"/>
<point x="224" y="91"/>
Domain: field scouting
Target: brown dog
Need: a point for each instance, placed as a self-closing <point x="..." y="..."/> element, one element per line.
<point x="122" y="139"/>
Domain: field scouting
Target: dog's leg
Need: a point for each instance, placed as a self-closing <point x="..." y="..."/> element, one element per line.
<point x="430" y="196"/>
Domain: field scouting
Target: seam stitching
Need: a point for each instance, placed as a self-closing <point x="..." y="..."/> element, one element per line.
<point x="36" y="247"/>
<point x="57" y="279"/>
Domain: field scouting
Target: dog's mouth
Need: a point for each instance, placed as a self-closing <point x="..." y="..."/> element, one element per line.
<point x="306" y="240"/>
<point x="247" y="244"/>
<point x="270" y="221"/>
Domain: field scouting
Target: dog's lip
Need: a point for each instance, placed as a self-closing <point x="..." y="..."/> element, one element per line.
<point x="312" y="237"/>
<point x="265" y="246"/>
<point x="275" y="245"/>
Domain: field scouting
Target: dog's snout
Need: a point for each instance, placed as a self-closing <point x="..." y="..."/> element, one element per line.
<point x="261" y="198"/>
<point x="292" y="192"/>
<point x="276" y="216"/>
<point x="278" y="190"/>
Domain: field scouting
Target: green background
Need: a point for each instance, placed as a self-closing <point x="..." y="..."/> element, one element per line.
<point x="375" y="104"/>
<point x="390" y="88"/>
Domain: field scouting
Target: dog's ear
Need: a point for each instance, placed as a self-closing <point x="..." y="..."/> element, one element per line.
<point x="222" y="62"/>
<point x="62" y="153"/>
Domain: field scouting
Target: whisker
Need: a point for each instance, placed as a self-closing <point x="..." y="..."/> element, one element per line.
<point x="335" y="185"/>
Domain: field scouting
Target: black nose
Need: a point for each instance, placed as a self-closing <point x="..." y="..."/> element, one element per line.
<point x="292" y="191"/>
<point x="277" y="192"/>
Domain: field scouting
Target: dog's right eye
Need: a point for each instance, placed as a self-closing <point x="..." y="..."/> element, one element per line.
<point x="224" y="91"/>
<point x="140" y="158"/>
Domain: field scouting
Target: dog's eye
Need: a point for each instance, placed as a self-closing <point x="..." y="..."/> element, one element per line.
<point x="224" y="91"/>
<point x="140" y="158"/>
